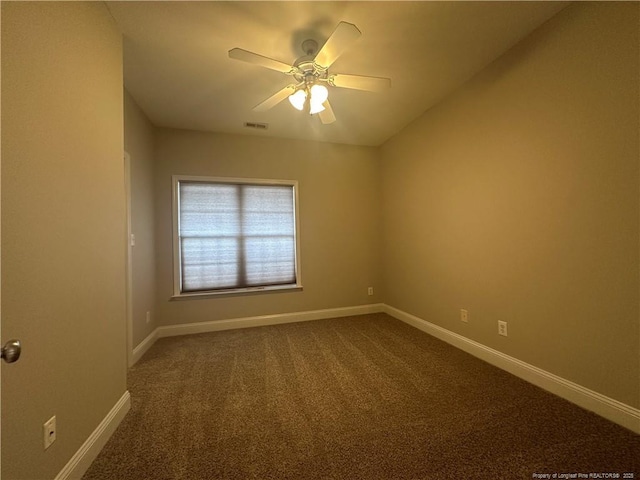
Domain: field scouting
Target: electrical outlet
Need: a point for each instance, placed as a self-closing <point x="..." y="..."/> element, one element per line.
<point x="464" y="315"/>
<point x="370" y="290"/>
<point x="502" y="328"/>
<point x="148" y="317"/>
<point x="49" y="432"/>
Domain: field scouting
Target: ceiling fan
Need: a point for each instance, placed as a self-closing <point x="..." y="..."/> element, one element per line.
<point x="311" y="74"/>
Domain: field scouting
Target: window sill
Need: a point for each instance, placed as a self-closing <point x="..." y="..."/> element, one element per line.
<point x="236" y="292"/>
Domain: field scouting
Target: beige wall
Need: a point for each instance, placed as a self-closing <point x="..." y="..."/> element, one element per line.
<point x="517" y="198"/>
<point x="138" y="142"/>
<point x="339" y="219"/>
<point x="63" y="232"/>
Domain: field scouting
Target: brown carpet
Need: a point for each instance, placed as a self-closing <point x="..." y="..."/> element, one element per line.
<point x="364" y="397"/>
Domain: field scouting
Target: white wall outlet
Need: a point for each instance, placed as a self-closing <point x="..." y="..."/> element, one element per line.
<point x="370" y="291"/>
<point x="502" y="328"/>
<point x="148" y="317"/>
<point x="464" y="315"/>
<point x="49" y="431"/>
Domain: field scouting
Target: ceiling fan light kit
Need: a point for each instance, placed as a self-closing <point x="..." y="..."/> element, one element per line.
<point x="311" y="72"/>
<point x="298" y="99"/>
<point x="318" y="95"/>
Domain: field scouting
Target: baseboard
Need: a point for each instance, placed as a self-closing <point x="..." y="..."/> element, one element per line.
<point x="143" y="346"/>
<point x="80" y="462"/>
<point x="264" y="320"/>
<point x="613" y="410"/>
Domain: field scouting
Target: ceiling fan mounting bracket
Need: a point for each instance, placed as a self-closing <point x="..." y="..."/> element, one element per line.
<point x="310" y="47"/>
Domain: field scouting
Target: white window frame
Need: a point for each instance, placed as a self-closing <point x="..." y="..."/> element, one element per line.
<point x="177" y="267"/>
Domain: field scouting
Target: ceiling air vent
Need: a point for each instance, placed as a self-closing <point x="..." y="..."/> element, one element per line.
<point x="257" y="126"/>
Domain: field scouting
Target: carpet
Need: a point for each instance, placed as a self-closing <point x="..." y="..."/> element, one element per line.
<point x="364" y="397"/>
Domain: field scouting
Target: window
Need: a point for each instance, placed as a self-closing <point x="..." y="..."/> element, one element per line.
<point x="234" y="235"/>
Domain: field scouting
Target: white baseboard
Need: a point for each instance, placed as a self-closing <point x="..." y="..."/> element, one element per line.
<point x="80" y="462"/>
<point x="263" y="320"/>
<point x="143" y="346"/>
<point x="613" y="410"/>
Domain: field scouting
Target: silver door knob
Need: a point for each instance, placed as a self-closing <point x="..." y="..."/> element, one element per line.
<point x="11" y="351"/>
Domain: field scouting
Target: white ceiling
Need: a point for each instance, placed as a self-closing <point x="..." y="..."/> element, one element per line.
<point x="177" y="68"/>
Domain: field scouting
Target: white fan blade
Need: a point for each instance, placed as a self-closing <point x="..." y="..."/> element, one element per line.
<point x="341" y="38"/>
<point x="250" y="57"/>
<point x="360" y="82"/>
<point x="275" y="99"/>
<point x="326" y="115"/>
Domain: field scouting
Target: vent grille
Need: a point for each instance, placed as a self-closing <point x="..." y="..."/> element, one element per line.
<point x="257" y="126"/>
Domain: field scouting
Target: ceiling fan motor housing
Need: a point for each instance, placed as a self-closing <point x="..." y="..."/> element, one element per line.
<point x="308" y="72"/>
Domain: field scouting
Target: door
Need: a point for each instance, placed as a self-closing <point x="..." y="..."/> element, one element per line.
<point x="62" y="228"/>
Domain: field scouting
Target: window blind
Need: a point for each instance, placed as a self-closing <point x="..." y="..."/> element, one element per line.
<point x="236" y="235"/>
